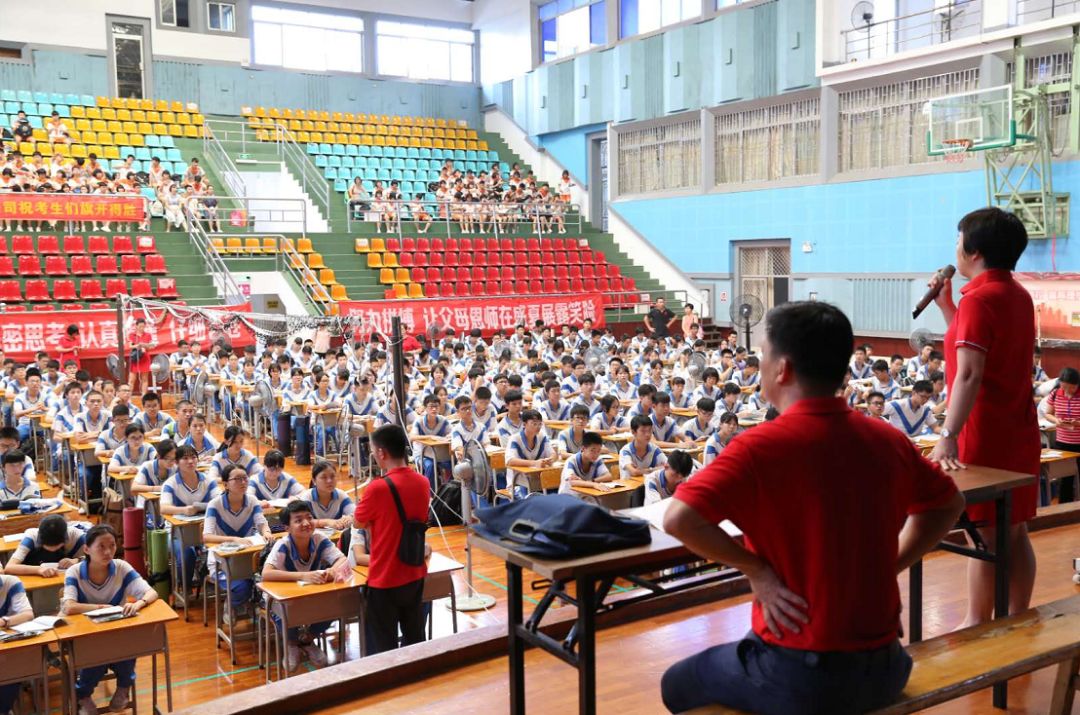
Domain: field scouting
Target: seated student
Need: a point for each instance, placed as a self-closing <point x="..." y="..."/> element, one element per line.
<point x="939" y="399"/>
<point x="644" y="404"/>
<point x="709" y="386"/>
<point x="623" y="389"/>
<point x="587" y="394"/>
<point x="322" y="396"/>
<point x="859" y="367"/>
<point x="552" y="407"/>
<point x="179" y="429"/>
<point x="204" y="444"/>
<point x="333" y="507"/>
<point x="484" y="412"/>
<point x="701" y="427"/>
<point x="153" y="473"/>
<point x="47" y="550"/>
<point x="571" y="384"/>
<point x="233" y="517"/>
<point x="511" y="422"/>
<point x="609" y="419"/>
<point x="468" y="428"/>
<point x="129" y="456"/>
<point x="913" y="416"/>
<point x="103" y="580"/>
<point x="749" y="374"/>
<point x="304" y="555"/>
<point x="15" y="485"/>
<point x="729" y="425"/>
<point x="272" y="482"/>
<point x="528" y="448"/>
<point x="585" y="467"/>
<point x="431" y="424"/>
<point x="232" y="452"/>
<point x="933" y="364"/>
<point x="569" y="440"/>
<point x="661" y="483"/>
<point x="883" y="381"/>
<point x="730" y="400"/>
<point x="680" y="398"/>
<point x="187" y="492"/>
<point x="875" y="406"/>
<point x="665" y="429"/>
<point x="154" y="422"/>
<point x="755" y="402"/>
<point x="15" y="608"/>
<point x="640" y="456"/>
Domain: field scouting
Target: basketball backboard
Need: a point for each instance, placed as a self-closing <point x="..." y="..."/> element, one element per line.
<point x="983" y="118"/>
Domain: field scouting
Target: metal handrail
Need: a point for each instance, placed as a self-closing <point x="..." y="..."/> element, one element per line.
<point x="531" y="213"/>
<point x="937" y="26"/>
<point x="290" y="261"/>
<point x="222" y="278"/>
<point x="277" y="210"/>
<point x="215" y="153"/>
<point x="311" y="179"/>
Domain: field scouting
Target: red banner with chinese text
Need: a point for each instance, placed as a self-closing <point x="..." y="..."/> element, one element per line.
<point x="22" y="335"/>
<point x="1057" y="303"/>
<point x="71" y="207"/>
<point x="487" y="314"/>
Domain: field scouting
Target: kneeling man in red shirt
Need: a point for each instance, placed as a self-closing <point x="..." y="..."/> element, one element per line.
<point x="823" y="539"/>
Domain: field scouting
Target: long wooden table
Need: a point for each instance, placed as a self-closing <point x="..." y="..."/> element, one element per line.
<point x="27" y="660"/>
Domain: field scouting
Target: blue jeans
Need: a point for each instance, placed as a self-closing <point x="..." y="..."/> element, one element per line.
<point x="757" y="677"/>
<point x="322" y="434"/>
<point x="240" y="593"/>
<point x="90" y="677"/>
<point x="431" y="469"/>
<point x="186" y="561"/>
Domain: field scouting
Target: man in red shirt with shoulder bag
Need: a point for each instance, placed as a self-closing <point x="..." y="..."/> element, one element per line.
<point x="823" y="539"/>
<point x="394" y="511"/>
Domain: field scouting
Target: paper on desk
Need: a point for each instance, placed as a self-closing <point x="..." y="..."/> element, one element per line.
<point x="257" y="540"/>
<point x="654" y="514"/>
<point x="105" y="611"/>
<point x="41" y="623"/>
<point x="1051" y="453"/>
<point x="13" y="538"/>
<point x="279" y="503"/>
<point x="188" y="517"/>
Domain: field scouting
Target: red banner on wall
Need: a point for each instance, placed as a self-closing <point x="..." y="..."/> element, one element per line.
<point x="71" y="207"/>
<point x="487" y="314"/>
<point x="1057" y="303"/>
<point x="23" y="335"/>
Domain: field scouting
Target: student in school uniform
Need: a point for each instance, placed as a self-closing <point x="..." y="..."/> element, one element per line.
<point x="304" y="555"/>
<point x="553" y="408"/>
<point x="623" y="389"/>
<point x="859" y="368"/>
<point x="326" y="428"/>
<point x="709" y="387"/>
<point x="933" y="364"/>
<point x="511" y="422"/>
<point x="15" y="484"/>
<point x="232" y="452"/>
<point x="913" y="415"/>
<point x="644" y="406"/>
<point x="584" y="468"/>
<point x="730" y="399"/>
<point x="431" y="424"/>
<point x="484" y="412"/>
<point x="729" y="425"/>
<point x="528" y="448"/>
<point x="662" y="483"/>
<point x="233" y="517"/>
<point x="15" y="608"/>
<point x="748" y="375"/>
<point x="47" y="550"/>
<point x="570" y="441"/>
<point x="187" y="492"/>
<point x="665" y="429"/>
<point x="154" y="422"/>
<point x="640" y="456"/>
<point x="875" y="406"/>
<point x="153" y="473"/>
<point x="332" y="506"/>
<point x="204" y="444"/>
<point x="702" y="426"/>
<point x="467" y="429"/>
<point x="272" y="482"/>
<point x="103" y="580"/>
<point x="680" y="398"/>
<point x="179" y="429"/>
<point x="129" y="456"/>
<point x="609" y="419"/>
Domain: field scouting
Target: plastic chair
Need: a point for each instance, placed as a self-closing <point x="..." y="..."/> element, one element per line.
<point x="115" y="287"/>
<point x="22" y="244"/>
<point x="56" y="266"/>
<point x="106" y="265"/>
<point x="74" y="245"/>
<point x="37" y="291"/>
<point x="166" y="288"/>
<point x="155" y="263"/>
<point x="48" y="245"/>
<point x="123" y="245"/>
<point x="10" y="292"/>
<point x="7" y="266"/>
<point x="29" y="265"/>
<point x="140" y="288"/>
<point x="145" y="244"/>
<point x="130" y="265"/>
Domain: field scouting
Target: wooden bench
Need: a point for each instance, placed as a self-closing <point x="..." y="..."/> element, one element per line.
<point x="962" y="662"/>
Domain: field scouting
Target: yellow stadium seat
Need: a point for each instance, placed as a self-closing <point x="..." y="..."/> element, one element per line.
<point x="333" y="127"/>
<point x="103" y="101"/>
<point x="374" y="260"/>
<point x="326" y="277"/>
<point x="160" y="129"/>
<point x="168" y="117"/>
<point x="303" y="245"/>
<point x="310" y="279"/>
<point x="78" y="151"/>
<point x="315" y="260"/>
<point x="288" y="114"/>
<point x="78" y="111"/>
<point x="96" y="149"/>
<point x="287" y="246"/>
<point x="386" y="275"/>
<point x="416" y="290"/>
<point x="99" y="125"/>
<point x="297" y="261"/>
<point x="198" y="119"/>
<point x="105" y="138"/>
<point x="361" y="245"/>
<point x="122" y="139"/>
<point x="234" y="245"/>
<point x="303" y="137"/>
<point x="138" y="115"/>
<point x="40" y="135"/>
<point x="190" y="131"/>
<point x="390" y="260"/>
<point x="253" y="246"/>
<point x="93" y="113"/>
<point x="175" y="130"/>
<point x="378" y="245"/>
<point x="337" y="292"/>
<point x="153" y="116"/>
<point x="112" y="152"/>
<point x="108" y="114"/>
<point x="402" y="275"/>
<point x="160" y="105"/>
<point x="124" y="115"/>
<point x="274" y="113"/>
<point x="400" y="291"/>
<point x="137" y="140"/>
<point x="44" y="148"/>
<point x="183" y="118"/>
<point x="316" y="137"/>
<point x="146" y="104"/>
<point x="218" y="244"/>
<point x="177" y="106"/>
<point x="27" y="148"/>
<point x="270" y="245"/>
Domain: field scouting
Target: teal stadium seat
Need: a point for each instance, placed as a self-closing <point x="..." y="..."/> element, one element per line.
<point x="313" y="149"/>
<point x="8" y="95"/>
<point x="25" y="96"/>
<point x="352" y="150"/>
<point x="71" y="99"/>
<point x="86" y="100"/>
<point x="168" y="142"/>
<point x="41" y="97"/>
<point x="152" y="141"/>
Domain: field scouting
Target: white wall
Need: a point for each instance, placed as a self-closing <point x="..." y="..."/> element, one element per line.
<point x="505" y="38"/>
<point x="445" y="10"/>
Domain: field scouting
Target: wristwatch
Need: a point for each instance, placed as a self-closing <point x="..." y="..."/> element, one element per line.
<point x="946" y="434"/>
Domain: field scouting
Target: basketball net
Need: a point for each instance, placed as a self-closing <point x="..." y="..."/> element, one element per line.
<point x="955" y="149"/>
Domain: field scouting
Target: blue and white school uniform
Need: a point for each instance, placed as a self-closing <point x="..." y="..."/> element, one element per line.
<point x="507" y="428"/>
<point x="161" y="422"/>
<point x="149" y="475"/>
<point x="652" y="458"/>
<point x="575" y="469"/>
<point x="723" y="407"/>
<point x="743" y="381"/>
<point x="636" y="409"/>
<point x="209" y="445"/>
<point x="124" y="457"/>
<point x="29" y="473"/>
<point x="681" y="402"/>
<point x="461" y="434"/>
<point x="26" y="490"/>
<point x="693" y="429"/>
<point x="490" y="418"/>
<point x="860" y="373"/>
<point x="593" y="404"/>
<point x="425" y="456"/>
<point x="566" y="440"/>
<point x="223" y="521"/>
<point x="324" y="427"/>
<point x="221" y="460"/>
<point x="13" y="601"/>
<point x="713" y="448"/>
<point x="64" y="421"/>
<point x="756" y="402"/>
<point x="890" y="389"/>
<point x="907" y="418"/>
<point x="664" y="431"/>
<point x="341" y="504"/>
<point x="624" y="393"/>
<point x="557" y="412"/>
<point x="31" y="543"/>
<point x="570" y="384"/>
<point x="121" y="584"/>
<point x="286" y="488"/>
<point x="386" y="416"/>
<point x="657" y="487"/>
<point x="176" y="493"/>
<point x="600" y="421"/>
<point x="519" y="448"/>
<point x="714" y="393"/>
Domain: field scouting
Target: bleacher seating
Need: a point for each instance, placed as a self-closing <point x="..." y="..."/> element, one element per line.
<point x="302" y="257"/>
<point x="111" y="128"/>
<point x="126" y="268"/>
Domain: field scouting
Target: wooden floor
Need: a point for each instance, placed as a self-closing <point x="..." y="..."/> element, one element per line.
<point x="631" y="658"/>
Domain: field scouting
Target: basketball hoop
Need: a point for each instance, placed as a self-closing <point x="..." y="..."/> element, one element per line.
<point x="954" y="149"/>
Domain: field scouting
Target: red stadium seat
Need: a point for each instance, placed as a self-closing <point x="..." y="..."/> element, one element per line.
<point x="48" y="245"/>
<point x="408" y="244"/>
<point x="22" y="245"/>
<point x="561" y="272"/>
<point x="434" y="275"/>
<point x="493" y="245"/>
<point x="140" y="288"/>
<point x="98" y="245"/>
<point x="598" y="258"/>
<point x="464" y="290"/>
<point x="122" y="245"/>
<point x="90" y="289"/>
<point x="519" y="244"/>
<point x="533" y="244"/>
<point x="3" y="244"/>
<point x="533" y="258"/>
<point x="418" y="275"/>
<point x="115" y="287"/>
<point x="10" y="292"/>
<point x="588" y="271"/>
<point x="479" y="288"/>
<point x="29" y="265"/>
<point x="547" y="258"/>
<point x="44" y="307"/>
<point x="155" y="263"/>
<point x="56" y="266"/>
<point x="405" y="260"/>
<point x="420" y="259"/>
<point x="575" y="271"/>
<point x="437" y="245"/>
<point x="16" y="308"/>
<point x="521" y="273"/>
<point x="479" y="258"/>
<point x="393" y="245"/>
<point x="577" y="285"/>
<point x="612" y="270"/>
<point x="492" y="273"/>
<point x="106" y="265"/>
<point x="549" y="285"/>
<point x="130" y="265"/>
<point x="423" y="244"/>
<point x="64" y="290"/>
<point x="534" y="272"/>
<point x="74" y="245"/>
<point x="562" y="285"/>
<point x="166" y="288"/>
<point x="507" y="273"/>
<point x="629" y="283"/>
<point x="37" y="291"/>
<point x="451" y="259"/>
<point x="435" y="259"/>
<point x="495" y="288"/>
<point x="463" y="274"/>
<point x="145" y="244"/>
<point x="548" y="272"/>
<point x="536" y="287"/>
<point x="603" y="285"/>
<point x="451" y="245"/>
<point x="590" y="285"/>
<point x="7" y="266"/>
<point x="465" y="245"/>
<point x="560" y="258"/>
<point x="80" y="265"/>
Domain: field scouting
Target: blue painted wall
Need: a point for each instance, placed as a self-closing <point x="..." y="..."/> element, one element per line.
<point x="571" y="149"/>
<point x="883" y="226"/>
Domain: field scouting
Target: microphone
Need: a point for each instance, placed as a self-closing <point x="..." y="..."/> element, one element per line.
<point x="947" y="272"/>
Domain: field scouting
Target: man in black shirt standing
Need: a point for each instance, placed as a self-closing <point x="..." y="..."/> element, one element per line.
<point x="659" y="320"/>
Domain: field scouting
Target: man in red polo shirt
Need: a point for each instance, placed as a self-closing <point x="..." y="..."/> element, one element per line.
<point x="394" y="589"/>
<point x="823" y="538"/>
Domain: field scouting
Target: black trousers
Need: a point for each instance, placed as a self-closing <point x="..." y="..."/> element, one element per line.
<point x="389" y="609"/>
<point x="1067" y="488"/>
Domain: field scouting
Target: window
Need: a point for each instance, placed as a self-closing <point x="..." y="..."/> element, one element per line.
<point x="221" y="16"/>
<point x="660" y="158"/>
<point x="302" y="40"/>
<point x="174" y="13"/>
<point x="571" y="26"/>
<point x="768" y="143"/>
<point x="640" y="16"/>
<point x="424" y="51"/>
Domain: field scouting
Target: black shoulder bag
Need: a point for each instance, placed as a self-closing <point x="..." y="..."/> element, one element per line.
<point x="413" y="533"/>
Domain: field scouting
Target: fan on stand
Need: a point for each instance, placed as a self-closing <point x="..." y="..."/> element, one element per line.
<point x="434" y="330"/>
<point x="919" y="339"/>
<point x="694" y="368"/>
<point x="262" y="402"/>
<point x="112" y="362"/>
<point x="747" y="310"/>
<point x="862" y="19"/>
<point x="499" y="347"/>
<point x="594" y="360"/>
<point x="202" y="391"/>
<point x="160" y="369"/>
<point x="474" y="473"/>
